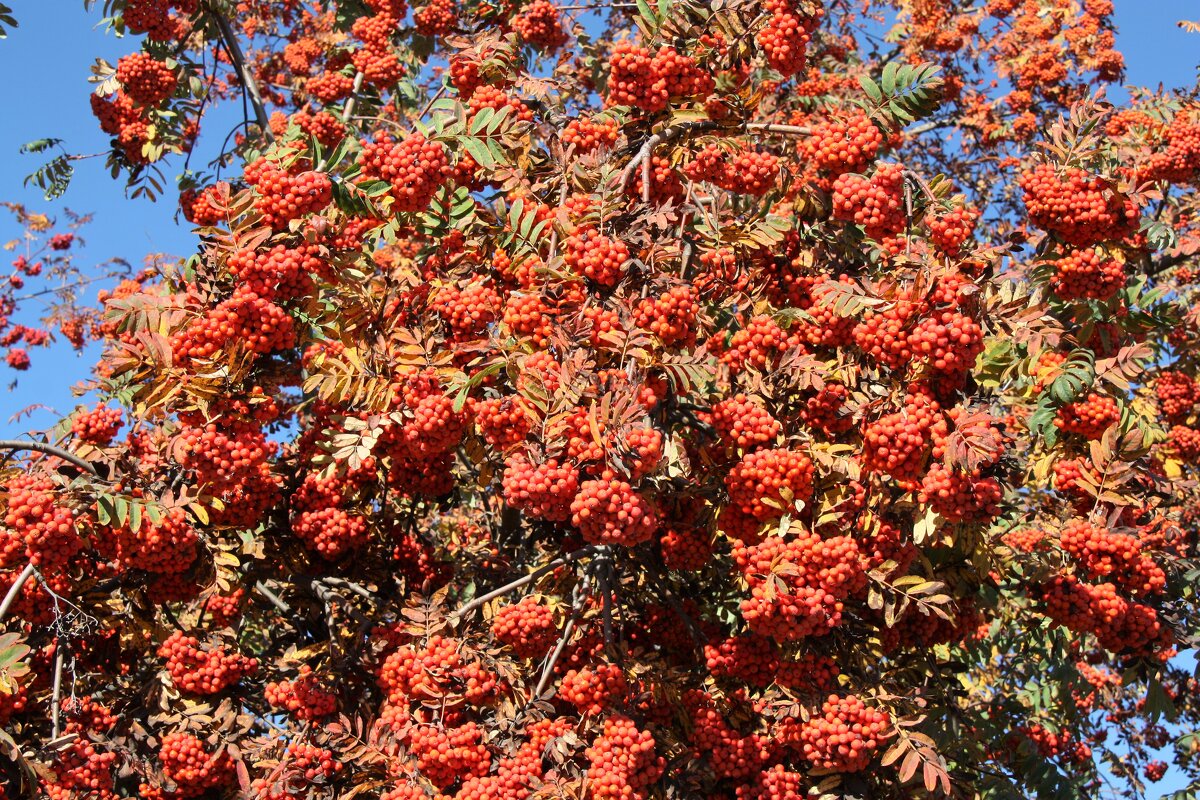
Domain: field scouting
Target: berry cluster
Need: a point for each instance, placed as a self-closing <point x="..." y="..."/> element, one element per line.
<point x="844" y="737"/>
<point x="415" y="167"/>
<point x="540" y="25"/>
<point x="146" y="80"/>
<point x="622" y="761"/>
<point x="785" y="37"/>
<point x="798" y="586"/>
<point x="283" y="197"/>
<point x="649" y="82"/>
<point x="743" y="424"/>
<point x="876" y="202"/>
<point x="34" y="523"/>
<point x="202" y="206"/>
<point x="543" y="491"/>
<point x="1089" y="417"/>
<point x="961" y="495"/>
<point x="840" y="145"/>
<point x="739" y="171"/>
<point x="1079" y="208"/>
<point x="597" y="257"/>
<point x="950" y="229"/>
<point x="154" y="18"/>
<point x="279" y="274"/>
<point x="1118" y="624"/>
<point x="467" y="310"/>
<point x="592" y="689"/>
<point x="899" y="443"/>
<point x="246" y="320"/>
<point x="1087" y="274"/>
<point x="98" y="426"/>
<point x="166" y="547"/>
<point x="304" y="698"/>
<point x="758" y="345"/>
<point x="203" y="670"/>
<point x="766" y="483"/>
<point x="609" y="511"/>
<point x="194" y="769"/>
<point x="589" y="134"/>
<point x="1104" y="553"/>
<point x="528" y="627"/>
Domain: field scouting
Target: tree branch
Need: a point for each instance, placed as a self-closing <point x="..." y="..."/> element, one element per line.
<point x="349" y="109"/>
<point x="577" y="596"/>
<point x="249" y="84"/>
<point x="519" y="582"/>
<point x="49" y="449"/>
<point x="272" y="598"/>
<point x="56" y="698"/>
<point x="674" y="132"/>
<point x="15" y="589"/>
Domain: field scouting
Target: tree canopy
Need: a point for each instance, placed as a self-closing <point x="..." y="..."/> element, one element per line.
<point x="617" y="401"/>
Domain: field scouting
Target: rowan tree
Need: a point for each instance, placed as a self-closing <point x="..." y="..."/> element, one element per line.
<point x="624" y="401"/>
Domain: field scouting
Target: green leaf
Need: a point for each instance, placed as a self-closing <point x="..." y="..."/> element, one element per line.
<point x="38" y="145"/>
<point x="481" y="119"/>
<point x="479" y="151"/>
<point x="6" y="18"/>
<point x="871" y="88"/>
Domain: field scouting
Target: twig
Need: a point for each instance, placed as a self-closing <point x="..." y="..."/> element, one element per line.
<point x="786" y="130"/>
<point x="49" y="449"/>
<point x="441" y="91"/>
<point x="665" y="135"/>
<point x="693" y="629"/>
<point x="604" y="574"/>
<point x="249" y="84"/>
<point x="15" y="589"/>
<point x="519" y="582"/>
<point x="391" y="122"/>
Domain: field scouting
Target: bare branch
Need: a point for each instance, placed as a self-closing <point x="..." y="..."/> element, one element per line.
<point x="272" y="598"/>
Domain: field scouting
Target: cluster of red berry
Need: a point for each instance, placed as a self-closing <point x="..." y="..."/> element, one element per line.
<point x="203" y="670"/>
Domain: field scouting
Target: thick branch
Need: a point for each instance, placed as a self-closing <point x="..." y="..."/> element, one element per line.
<point x="249" y="84"/>
<point x="1167" y="263"/>
<point x="49" y="449"/>
<point x="15" y="590"/>
<point x="358" y="589"/>
<point x="56" y="698"/>
<point x="349" y="109"/>
<point x="519" y="582"/>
